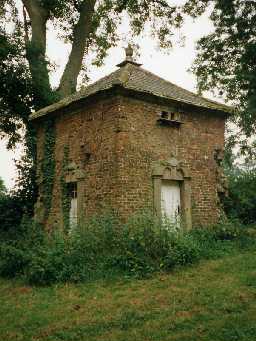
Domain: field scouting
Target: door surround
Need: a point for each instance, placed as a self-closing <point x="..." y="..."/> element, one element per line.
<point x="173" y="169"/>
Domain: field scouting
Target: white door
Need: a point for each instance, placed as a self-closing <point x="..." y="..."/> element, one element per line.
<point x="73" y="213"/>
<point x="170" y="202"/>
<point x="73" y="205"/>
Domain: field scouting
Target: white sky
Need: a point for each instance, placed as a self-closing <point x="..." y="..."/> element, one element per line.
<point x="172" y="66"/>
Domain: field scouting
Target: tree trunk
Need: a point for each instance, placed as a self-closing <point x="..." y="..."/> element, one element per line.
<point x="36" y="50"/>
<point x="81" y="33"/>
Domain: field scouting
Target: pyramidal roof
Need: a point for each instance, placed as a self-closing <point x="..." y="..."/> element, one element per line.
<point x="132" y="76"/>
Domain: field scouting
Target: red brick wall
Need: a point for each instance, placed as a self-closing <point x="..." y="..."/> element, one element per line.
<point x="123" y="138"/>
<point x="143" y="141"/>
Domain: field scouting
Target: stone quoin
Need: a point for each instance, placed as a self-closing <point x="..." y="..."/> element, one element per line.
<point x="134" y="141"/>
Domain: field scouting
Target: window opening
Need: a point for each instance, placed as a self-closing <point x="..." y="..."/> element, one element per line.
<point x="165" y="115"/>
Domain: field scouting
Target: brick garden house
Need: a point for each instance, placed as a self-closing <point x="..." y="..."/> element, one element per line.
<point x="129" y="141"/>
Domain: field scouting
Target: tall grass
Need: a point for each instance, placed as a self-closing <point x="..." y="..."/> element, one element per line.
<point x="105" y="247"/>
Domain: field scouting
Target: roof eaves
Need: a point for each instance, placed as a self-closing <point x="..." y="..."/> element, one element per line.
<point x="62" y="104"/>
<point x="121" y="77"/>
<point x="216" y="106"/>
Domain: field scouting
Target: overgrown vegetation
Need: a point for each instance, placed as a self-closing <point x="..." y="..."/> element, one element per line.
<point x="103" y="247"/>
<point x="241" y="201"/>
<point x="13" y="206"/>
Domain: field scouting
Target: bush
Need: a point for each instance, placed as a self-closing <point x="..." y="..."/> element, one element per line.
<point x="184" y="249"/>
<point x="47" y="263"/>
<point x="11" y="212"/>
<point x="18" y="250"/>
<point x="102" y="246"/>
<point x="13" y="260"/>
<point x="142" y="243"/>
<point x="241" y="201"/>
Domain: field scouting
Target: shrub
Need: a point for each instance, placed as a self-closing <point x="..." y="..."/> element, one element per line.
<point x="48" y="261"/>
<point x="17" y="251"/>
<point x="227" y="230"/>
<point x="184" y="249"/>
<point x="103" y="246"/>
<point x="13" y="260"/>
<point x="241" y="201"/>
<point x="11" y="212"/>
<point x="78" y="256"/>
<point x="142" y="243"/>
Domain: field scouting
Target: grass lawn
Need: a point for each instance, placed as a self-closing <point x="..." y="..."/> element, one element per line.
<point x="214" y="300"/>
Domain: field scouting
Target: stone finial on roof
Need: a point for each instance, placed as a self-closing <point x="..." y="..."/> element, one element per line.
<point x="129" y="52"/>
<point x="129" y="57"/>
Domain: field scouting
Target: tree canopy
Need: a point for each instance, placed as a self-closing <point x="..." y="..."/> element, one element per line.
<point x="3" y="189"/>
<point x="225" y="59"/>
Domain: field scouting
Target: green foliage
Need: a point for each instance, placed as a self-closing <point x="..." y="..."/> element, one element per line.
<point x="17" y="247"/>
<point x="15" y="79"/>
<point x="13" y="260"/>
<point x="241" y="201"/>
<point x="48" y="165"/>
<point x="48" y="263"/>
<point x="105" y="247"/>
<point x="184" y="249"/>
<point x="20" y="200"/>
<point x="11" y="211"/>
<point x="65" y="202"/>
<point x="3" y="190"/>
<point x="226" y="57"/>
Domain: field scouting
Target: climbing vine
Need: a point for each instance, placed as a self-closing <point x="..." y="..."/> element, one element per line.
<point x="48" y="165"/>
<point x="65" y="202"/>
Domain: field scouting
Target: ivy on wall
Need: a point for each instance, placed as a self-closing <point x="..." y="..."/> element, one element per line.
<point x="48" y="165"/>
<point x="65" y="202"/>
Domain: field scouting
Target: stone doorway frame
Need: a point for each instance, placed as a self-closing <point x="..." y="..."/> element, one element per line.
<point x="173" y="170"/>
<point x="74" y="174"/>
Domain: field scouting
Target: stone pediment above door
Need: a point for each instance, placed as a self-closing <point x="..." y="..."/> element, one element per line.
<point x="171" y="169"/>
<point x="74" y="173"/>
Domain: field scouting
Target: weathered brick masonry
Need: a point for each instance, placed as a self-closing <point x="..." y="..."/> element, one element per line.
<point x="142" y="141"/>
<point x="115" y="138"/>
